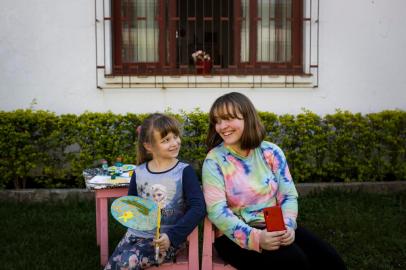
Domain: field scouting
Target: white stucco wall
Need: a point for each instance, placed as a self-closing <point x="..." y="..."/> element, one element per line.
<point x="47" y="55"/>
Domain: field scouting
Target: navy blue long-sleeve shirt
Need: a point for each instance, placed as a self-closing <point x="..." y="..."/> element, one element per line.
<point x="191" y="196"/>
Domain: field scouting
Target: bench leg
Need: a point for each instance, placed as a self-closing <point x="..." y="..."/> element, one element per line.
<point x="104" y="231"/>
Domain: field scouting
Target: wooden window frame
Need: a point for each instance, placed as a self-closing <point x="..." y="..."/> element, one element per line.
<point x="166" y="64"/>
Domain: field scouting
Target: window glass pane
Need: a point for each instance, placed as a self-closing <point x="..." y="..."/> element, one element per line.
<point x="205" y="25"/>
<point x="274" y="30"/>
<point x="245" y="27"/>
<point x="140" y="31"/>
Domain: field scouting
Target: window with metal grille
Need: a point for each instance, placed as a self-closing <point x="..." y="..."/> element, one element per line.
<point x="241" y="36"/>
<point x="247" y="43"/>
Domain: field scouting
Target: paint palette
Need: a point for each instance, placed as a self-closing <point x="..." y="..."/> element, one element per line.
<point x="135" y="212"/>
<point x="125" y="168"/>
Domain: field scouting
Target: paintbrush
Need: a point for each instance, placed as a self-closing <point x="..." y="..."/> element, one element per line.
<point x="158" y="227"/>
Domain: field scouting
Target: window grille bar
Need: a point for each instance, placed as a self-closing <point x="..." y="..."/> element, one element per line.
<point x="285" y="29"/>
<point x="317" y="42"/>
<point x="310" y="29"/>
<point x="104" y="36"/>
<point x="96" y="48"/>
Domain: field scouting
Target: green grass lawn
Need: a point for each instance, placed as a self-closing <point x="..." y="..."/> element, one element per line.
<point x="368" y="230"/>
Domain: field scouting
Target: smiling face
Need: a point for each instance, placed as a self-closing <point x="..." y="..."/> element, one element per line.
<point x="164" y="148"/>
<point x="230" y="127"/>
<point x="243" y="129"/>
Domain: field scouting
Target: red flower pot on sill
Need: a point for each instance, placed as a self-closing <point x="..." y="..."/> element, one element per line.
<point x="203" y="67"/>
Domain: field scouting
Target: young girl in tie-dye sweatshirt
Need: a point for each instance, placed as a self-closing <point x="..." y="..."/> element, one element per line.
<point x="242" y="174"/>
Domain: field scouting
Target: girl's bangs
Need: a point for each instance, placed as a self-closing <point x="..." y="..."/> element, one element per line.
<point x="227" y="110"/>
<point x="166" y="127"/>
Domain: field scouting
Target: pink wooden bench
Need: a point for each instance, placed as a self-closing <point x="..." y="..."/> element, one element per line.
<point x="210" y="258"/>
<point x="186" y="260"/>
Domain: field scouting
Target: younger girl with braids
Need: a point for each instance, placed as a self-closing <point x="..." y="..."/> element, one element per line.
<point x="173" y="184"/>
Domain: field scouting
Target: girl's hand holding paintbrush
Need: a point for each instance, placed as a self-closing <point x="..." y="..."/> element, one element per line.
<point x="162" y="242"/>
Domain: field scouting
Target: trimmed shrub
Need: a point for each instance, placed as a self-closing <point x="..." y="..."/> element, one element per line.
<point x="41" y="149"/>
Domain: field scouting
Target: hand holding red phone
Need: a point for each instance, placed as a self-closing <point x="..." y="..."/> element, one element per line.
<point x="275" y="234"/>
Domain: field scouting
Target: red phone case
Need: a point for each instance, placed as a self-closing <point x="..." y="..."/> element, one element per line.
<point x="274" y="219"/>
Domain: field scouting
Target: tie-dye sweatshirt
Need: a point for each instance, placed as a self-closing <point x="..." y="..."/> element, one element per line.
<point x="237" y="188"/>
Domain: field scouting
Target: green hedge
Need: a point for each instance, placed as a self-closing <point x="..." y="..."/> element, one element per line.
<point x="41" y="149"/>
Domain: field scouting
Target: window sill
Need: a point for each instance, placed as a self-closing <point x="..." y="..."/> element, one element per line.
<point x="210" y="81"/>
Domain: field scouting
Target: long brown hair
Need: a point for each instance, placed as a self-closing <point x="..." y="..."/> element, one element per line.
<point x="161" y="123"/>
<point x="230" y="106"/>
